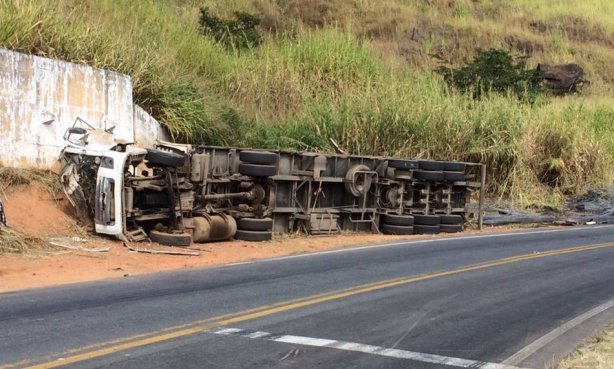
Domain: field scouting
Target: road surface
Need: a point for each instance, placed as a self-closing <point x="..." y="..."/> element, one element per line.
<point x="493" y="301"/>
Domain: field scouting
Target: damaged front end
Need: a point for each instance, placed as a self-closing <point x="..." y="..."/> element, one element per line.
<point x="92" y="175"/>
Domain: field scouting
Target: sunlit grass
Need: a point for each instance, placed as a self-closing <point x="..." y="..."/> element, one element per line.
<point x="357" y="71"/>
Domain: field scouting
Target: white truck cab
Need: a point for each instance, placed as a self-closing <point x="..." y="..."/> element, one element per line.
<point x="92" y="151"/>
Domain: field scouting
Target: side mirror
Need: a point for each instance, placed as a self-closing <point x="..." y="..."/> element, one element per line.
<point x="77" y="130"/>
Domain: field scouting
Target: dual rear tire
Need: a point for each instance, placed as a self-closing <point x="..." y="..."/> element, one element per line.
<point x="254" y="229"/>
<point x="258" y="163"/>
<point x="397" y="224"/>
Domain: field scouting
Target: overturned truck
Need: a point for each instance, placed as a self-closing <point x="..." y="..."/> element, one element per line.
<point x="177" y="194"/>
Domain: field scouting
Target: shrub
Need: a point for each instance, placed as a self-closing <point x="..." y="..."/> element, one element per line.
<point x="238" y="33"/>
<point x="494" y="70"/>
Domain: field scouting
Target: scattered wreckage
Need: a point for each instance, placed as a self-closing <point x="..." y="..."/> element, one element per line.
<point x="176" y="194"/>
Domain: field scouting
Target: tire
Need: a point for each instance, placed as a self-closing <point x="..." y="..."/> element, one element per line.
<point x="397" y="220"/>
<point x="402" y="164"/>
<point x="454" y="176"/>
<point x="259" y="157"/>
<point x="257" y="170"/>
<point x="170" y="239"/>
<point x="254" y="224"/>
<point x="426" y="229"/>
<point x="429" y="220"/>
<point x="431" y="165"/>
<point x="398" y="230"/>
<point x="253" y="236"/>
<point x="428" y="175"/>
<point x="454" y="166"/>
<point x="451" y="219"/>
<point x="451" y="228"/>
<point x="164" y="158"/>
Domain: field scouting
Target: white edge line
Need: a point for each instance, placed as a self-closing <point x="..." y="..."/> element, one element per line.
<point x="539" y="343"/>
<point x="413" y="242"/>
<point x="367" y="349"/>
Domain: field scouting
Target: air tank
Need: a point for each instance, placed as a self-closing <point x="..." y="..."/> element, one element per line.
<point x="213" y="227"/>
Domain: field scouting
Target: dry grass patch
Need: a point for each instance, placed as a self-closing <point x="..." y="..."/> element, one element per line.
<point x="15" y="242"/>
<point x="598" y="353"/>
<point x="10" y="177"/>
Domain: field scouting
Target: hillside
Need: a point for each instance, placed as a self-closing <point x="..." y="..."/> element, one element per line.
<point x="357" y="71"/>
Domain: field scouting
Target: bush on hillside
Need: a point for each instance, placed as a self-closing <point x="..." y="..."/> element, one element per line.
<point x="494" y="70"/>
<point x="238" y="33"/>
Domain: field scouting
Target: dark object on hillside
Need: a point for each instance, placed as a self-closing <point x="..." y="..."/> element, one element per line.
<point x="494" y="70"/>
<point x="562" y="79"/>
<point x="238" y="33"/>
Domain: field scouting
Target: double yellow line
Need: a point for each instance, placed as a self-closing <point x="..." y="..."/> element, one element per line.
<point x="122" y="344"/>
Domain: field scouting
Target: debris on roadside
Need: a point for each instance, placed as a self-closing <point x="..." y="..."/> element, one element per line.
<point x="69" y="243"/>
<point x="150" y="250"/>
<point x="595" y="207"/>
<point x="510" y="216"/>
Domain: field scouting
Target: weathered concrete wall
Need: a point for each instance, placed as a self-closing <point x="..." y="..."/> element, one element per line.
<point x="40" y="98"/>
<point x="147" y="130"/>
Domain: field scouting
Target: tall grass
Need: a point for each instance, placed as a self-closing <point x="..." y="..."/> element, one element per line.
<point x="321" y="75"/>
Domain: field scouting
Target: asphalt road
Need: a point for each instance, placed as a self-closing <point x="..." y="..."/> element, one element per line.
<point x="472" y="302"/>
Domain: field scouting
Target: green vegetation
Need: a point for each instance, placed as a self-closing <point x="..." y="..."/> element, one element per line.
<point x="238" y="33"/>
<point x="494" y="71"/>
<point x="357" y="71"/>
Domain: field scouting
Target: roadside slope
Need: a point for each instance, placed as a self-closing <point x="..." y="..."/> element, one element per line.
<point x="347" y="70"/>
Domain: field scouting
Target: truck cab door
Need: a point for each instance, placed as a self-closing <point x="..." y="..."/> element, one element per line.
<point x="108" y="209"/>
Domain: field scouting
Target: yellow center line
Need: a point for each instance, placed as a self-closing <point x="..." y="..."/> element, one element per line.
<point x="122" y="344"/>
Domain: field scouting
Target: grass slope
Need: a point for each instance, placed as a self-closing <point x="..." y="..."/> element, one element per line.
<point x="357" y="71"/>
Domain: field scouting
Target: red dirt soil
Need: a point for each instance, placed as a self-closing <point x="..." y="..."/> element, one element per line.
<point x="32" y="211"/>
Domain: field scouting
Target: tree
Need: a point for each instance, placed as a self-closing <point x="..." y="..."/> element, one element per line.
<point x="494" y="70"/>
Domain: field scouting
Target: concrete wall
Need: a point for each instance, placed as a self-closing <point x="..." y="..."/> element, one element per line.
<point x="40" y="98"/>
<point x="147" y="130"/>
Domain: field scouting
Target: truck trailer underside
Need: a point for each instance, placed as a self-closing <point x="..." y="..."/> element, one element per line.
<point x="177" y="194"/>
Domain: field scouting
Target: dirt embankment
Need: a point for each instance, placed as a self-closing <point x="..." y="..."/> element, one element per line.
<point x="35" y="212"/>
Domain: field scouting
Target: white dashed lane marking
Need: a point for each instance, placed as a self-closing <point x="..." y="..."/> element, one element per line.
<point x="359" y="347"/>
